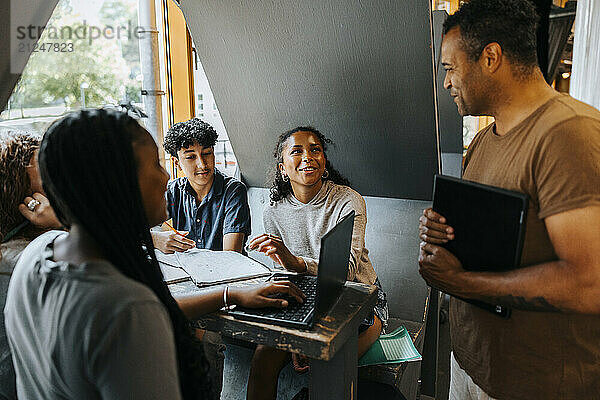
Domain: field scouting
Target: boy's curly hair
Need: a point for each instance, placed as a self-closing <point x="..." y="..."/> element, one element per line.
<point x="187" y="133"/>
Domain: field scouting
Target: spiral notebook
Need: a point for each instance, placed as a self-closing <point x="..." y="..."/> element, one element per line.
<point x="207" y="267"/>
<point x="395" y="347"/>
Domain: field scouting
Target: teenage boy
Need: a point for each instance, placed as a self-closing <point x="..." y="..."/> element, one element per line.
<point x="209" y="209"/>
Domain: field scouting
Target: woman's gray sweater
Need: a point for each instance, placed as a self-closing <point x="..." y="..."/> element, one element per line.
<point x="301" y="227"/>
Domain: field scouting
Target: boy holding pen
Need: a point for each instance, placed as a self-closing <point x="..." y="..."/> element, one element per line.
<point x="208" y="209"/>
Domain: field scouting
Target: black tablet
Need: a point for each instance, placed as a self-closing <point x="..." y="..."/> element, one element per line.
<point x="489" y="224"/>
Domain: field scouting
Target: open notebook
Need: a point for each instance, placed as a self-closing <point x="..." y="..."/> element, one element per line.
<point x="173" y="274"/>
<point x="207" y="267"/>
<point x="170" y="268"/>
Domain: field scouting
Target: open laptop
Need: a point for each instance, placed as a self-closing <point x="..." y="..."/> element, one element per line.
<point x="321" y="291"/>
<point x="489" y="225"/>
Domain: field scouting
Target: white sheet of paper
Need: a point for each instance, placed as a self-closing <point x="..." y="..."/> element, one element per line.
<point x="173" y="274"/>
<point x="207" y="267"/>
<point x="169" y="259"/>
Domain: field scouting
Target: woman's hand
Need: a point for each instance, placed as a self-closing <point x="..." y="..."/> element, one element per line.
<point x="42" y="214"/>
<point x="274" y="247"/>
<point x="433" y="228"/>
<point x="169" y="242"/>
<point x="259" y="296"/>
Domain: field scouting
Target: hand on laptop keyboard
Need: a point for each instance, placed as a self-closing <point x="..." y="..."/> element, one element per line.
<point x="266" y="295"/>
<point x="292" y="301"/>
<point x="296" y="314"/>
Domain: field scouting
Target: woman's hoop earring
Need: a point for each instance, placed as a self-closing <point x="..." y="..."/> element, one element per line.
<point x="326" y="174"/>
<point x="285" y="178"/>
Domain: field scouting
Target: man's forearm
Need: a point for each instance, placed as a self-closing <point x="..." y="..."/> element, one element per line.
<point x="551" y="287"/>
<point x="198" y="305"/>
<point x="523" y="303"/>
<point x="571" y="284"/>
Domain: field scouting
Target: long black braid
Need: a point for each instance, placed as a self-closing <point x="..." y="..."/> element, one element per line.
<point x="280" y="189"/>
<point x="89" y="173"/>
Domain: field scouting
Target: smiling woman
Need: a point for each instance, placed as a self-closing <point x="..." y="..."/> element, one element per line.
<point x="281" y="186"/>
<point x="308" y="198"/>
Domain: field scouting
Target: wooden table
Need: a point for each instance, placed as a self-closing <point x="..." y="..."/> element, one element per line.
<point x="331" y="345"/>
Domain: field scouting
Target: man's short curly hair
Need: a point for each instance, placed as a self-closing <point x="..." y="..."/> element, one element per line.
<point x="185" y="134"/>
<point x="510" y="23"/>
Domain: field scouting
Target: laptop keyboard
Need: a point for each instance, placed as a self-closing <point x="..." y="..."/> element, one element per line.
<point x="295" y="311"/>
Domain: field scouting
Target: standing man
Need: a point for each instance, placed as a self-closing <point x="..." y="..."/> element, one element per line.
<point x="546" y="145"/>
<point x="210" y="209"/>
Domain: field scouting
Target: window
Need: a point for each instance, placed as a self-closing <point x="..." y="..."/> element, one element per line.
<point x="102" y="67"/>
<point x="224" y="157"/>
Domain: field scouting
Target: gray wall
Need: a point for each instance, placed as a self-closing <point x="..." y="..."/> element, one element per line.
<point x="360" y="71"/>
<point x="450" y="122"/>
<point x="13" y="14"/>
<point x="7" y="80"/>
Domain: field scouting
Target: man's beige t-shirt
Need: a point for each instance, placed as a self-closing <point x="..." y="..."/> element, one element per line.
<point x="553" y="156"/>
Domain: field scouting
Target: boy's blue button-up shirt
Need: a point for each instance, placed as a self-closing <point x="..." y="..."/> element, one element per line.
<point x="224" y="210"/>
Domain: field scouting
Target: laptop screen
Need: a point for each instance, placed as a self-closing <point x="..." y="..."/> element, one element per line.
<point x="334" y="259"/>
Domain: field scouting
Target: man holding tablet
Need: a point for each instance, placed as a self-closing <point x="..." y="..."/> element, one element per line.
<point x="547" y="146"/>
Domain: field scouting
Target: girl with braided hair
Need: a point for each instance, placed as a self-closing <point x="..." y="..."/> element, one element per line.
<point x="88" y="314"/>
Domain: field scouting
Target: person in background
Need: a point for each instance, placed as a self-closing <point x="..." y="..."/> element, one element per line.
<point x="308" y="198"/>
<point x="88" y="315"/>
<point x="546" y="145"/>
<point x="210" y="209"/>
<point x="24" y="214"/>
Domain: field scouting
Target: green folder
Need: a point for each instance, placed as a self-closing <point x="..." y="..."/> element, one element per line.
<point x="395" y="347"/>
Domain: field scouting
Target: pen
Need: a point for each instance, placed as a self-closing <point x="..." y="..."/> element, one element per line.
<point x="173" y="229"/>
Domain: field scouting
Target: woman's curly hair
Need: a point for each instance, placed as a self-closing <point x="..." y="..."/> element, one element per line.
<point x="280" y="189"/>
<point x="16" y="154"/>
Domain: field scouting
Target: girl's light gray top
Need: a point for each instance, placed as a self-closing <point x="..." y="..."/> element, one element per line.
<point x="301" y="227"/>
